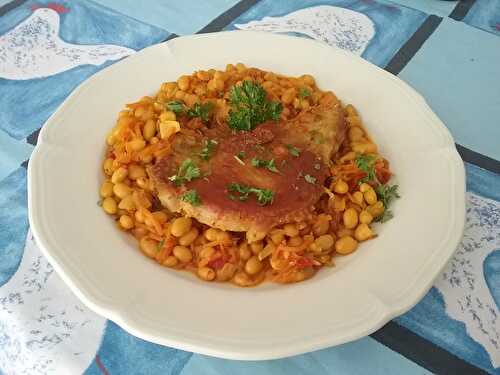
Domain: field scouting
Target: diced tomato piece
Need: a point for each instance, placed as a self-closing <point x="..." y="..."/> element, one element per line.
<point x="383" y="176"/>
<point x="303" y="262"/>
<point x="217" y="263"/>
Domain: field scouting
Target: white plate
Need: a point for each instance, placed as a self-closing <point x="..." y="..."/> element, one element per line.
<point x="383" y="279"/>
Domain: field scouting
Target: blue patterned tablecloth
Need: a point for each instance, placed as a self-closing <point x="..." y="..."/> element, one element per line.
<point x="448" y="50"/>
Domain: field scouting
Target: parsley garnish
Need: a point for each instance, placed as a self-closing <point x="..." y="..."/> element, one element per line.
<point x="187" y="172"/>
<point x="160" y="245"/>
<point x="386" y="216"/>
<point x="366" y="163"/>
<point x="200" y="110"/>
<point x="310" y="179"/>
<point x="241" y="155"/>
<point x="293" y="150"/>
<point x="268" y="164"/>
<point x="191" y="197"/>
<point x="264" y="196"/>
<point x="208" y="149"/>
<point x="175" y="106"/>
<point x="250" y="106"/>
<point x="304" y="93"/>
<point x="386" y="194"/>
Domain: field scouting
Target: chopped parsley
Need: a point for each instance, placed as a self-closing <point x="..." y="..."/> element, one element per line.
<point x="386" y="194"/>
<point x="310" y="179"/>
<point x="201" y="110"/>
<point x="366" y="163"/>
<point x="192" y="197"/>
<point x="208" y="149"/>
<point x="304" y="93"/>
<point x="386" y="216"/>
<point x="264" y="196"/>
<point x="160" y="244"/>
<point x="187" y="172"/>
<point x="250" y="106"/>
<point x="294" y="151"/>
<point x="241" y="155"/>
<point x="175" y="106"/>
<point x="268" y="164"/>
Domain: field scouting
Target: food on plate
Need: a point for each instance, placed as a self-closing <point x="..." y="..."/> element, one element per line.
<point x="244" y="175"/>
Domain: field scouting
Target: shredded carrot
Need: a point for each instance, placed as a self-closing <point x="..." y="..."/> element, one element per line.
<point x="152" y="235"/>
<point x="137" y="130"/>
<point x="138" y="104"/>
<point x="149" y="216"/>
<point x="148" y="150"/>
<point x="295" y="249"/>
<point x="124" y="158"/>
<point x="166" y="250"/>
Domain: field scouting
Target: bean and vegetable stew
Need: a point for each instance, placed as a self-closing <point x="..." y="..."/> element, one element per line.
<point x="245" y="175"/>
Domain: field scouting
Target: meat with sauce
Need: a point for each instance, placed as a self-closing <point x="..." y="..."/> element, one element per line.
<point x="300" y="151"/>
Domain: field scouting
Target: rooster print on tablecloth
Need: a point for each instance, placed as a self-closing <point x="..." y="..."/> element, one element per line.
<point x="463" y="286"/>
<point x="336" y="26"/>
<point x="34" y="48"/>
<point x="44" y="328"/>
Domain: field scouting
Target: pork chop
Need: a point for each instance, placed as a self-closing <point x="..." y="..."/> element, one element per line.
<point x="298" y="150"/>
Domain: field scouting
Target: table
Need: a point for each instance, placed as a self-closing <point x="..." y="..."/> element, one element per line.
<point x="449" y="51"/>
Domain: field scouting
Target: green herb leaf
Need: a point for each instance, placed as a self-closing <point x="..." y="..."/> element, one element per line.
<point x="264" y="196"/>
<point x="366" y="163"/>
<point x="187" y="172"/>
<point x="208" y="149"/>
<point x="242" y="190"/>
<point x="310" y="179"/>
<point x="191" y="171"/>
<point x="294" y="151"/>
<point x="304" y="93"/>
<point x="241" y="155"/>
<point x="200" y="110"/>
<point x="386" y="216"/>
<point x="160" y="244"/>
<point x="386" y="194"/>
<point x="250" y="106"/>
<point x="191" y="197"/>
<point x="175" y="106"/>
<point x="268" y="164"/>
